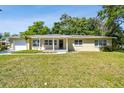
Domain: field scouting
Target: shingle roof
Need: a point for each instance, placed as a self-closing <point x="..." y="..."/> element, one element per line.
<point x="50" y="36"/>
<point x="66" y="36"/>
<point x="61" y="36"/>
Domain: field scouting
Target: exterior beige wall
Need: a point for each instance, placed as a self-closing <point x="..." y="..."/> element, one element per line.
<point x="35" y="48"/>
<point x="88" y="45"/>
<point x="109" y="42"/>
<point x="27" y="44"/>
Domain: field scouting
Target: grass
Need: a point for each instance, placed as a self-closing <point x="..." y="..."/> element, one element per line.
<point x="28" y="51"/>
<point x="86" y="69"/>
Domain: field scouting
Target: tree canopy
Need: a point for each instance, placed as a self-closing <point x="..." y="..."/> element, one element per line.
<point x="4" y="36"/>
<point x="37" y="28"/>
<point x="76" y="26"/>
<point x="113" y="17"/>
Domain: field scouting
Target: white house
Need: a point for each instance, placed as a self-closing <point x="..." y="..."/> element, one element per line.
<point x="56" y="42"/>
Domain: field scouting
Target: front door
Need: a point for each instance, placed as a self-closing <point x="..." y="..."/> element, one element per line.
<point x="60" y="44"/>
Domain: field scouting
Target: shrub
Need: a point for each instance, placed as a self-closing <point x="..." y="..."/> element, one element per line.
<point x="28" y="51"/>
<point x="106" y="49"/>
<point x="3" y="47"/>
<point x="119" y="50"/>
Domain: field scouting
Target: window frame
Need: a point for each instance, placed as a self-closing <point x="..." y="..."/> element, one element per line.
<point x="55" y="42"/>
<point x="34" y="43"/>
<point x="50" y="42"/>
<point x="100" y="43"/>
<point x="104" y="42"/>
<point x="78" y="42"/>
<point x="46" y="42"/>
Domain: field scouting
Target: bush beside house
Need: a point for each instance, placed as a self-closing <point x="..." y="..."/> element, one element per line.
<point x="106" y="49"/>
<point x="3" y="47"/>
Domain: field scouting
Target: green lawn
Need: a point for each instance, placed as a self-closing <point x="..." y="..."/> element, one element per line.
<point x="86" y="69"/>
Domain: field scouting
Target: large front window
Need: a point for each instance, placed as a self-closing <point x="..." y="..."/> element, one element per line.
<point x="55" y="42"/>
<point x="78" y="42"/>
<point x="50" y="42"/>
<point x="46" y="42"/>
<point x="35" y="42"/>
<point x="100" y="43"/>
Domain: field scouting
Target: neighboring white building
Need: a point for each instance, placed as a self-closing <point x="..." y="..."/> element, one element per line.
<point x="55" y="42"/>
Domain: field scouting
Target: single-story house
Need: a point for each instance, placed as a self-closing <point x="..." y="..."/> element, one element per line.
<point x="56" y="42"/>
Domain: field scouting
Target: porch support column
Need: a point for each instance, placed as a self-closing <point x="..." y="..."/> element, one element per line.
<point x="66" y="44"/>
<point x="42" y="44"/>
<point x="27" y="43"/>
<point x="39" y="44"/>
<point x="53" y="45"/>
<point x="13" y="45"/>
<point x="30" y="44"/>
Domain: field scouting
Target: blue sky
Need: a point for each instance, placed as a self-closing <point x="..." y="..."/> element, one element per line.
<point x="15" y="19"/>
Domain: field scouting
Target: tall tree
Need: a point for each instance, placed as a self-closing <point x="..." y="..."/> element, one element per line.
<point x="113" y="17"/>
<point x="6" y="34"/>
<point x="0" y="33"/>
<point x="37" y="28"/>
<point x="76" y="26"/>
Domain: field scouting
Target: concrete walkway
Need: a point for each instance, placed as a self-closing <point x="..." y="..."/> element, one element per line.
<point x="6" y="52"/>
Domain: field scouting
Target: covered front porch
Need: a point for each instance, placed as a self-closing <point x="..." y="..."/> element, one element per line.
<point x="49" y="44"/>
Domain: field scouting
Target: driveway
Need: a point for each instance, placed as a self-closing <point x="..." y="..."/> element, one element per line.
<point x="4" y="53"/>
